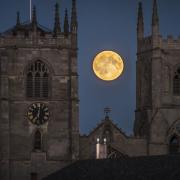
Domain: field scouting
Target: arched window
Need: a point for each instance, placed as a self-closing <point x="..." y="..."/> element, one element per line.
<point x="45" y="85"/>
<point x="37" y="80"/>
<point x="176" y="82"/>
<point x="29" y="87"/>
<point x="37" y="85"/>
<point x="174" y="145"/>
<point x="107" y="134"/>
<point x="37" y="140"/>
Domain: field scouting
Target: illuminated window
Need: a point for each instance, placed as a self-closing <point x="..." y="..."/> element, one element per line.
<point x="176" y="83"/>
<point x="174" y="145"/>
<point x="37" y="80"/>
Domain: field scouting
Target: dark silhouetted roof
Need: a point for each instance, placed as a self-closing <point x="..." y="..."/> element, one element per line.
<point x="136" y="168"/>
<point x="25" y="27"/>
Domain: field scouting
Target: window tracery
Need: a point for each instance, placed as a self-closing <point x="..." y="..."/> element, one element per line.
<point x="176" y="82"/>
<point x="37" y="80"/>
<point x="174" y="145"/>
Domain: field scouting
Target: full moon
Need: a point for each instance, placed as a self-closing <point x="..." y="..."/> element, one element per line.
<point x="108" y="65"/>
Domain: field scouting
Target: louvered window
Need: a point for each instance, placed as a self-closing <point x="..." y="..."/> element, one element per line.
<point x="37" y="82"/>
<point x="45" y="85"/>
<point x="29" y="87"/>
<point x="37" y="85"/>
<point x="176" y="83"/>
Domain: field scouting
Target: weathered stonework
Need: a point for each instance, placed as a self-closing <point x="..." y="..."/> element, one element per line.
<point x="122" y="144"/>
<point x="19" y="47"/>
<point x="162" y="113"/>
<point x="157" y="107"/>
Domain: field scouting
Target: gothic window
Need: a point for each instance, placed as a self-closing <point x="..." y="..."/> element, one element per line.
<point x="176" y="82"/>
<point x="37" y="80"/>
<point x="166" y="79"/>
<point x="108" y="135"/>
<point x="29" y="87"/>
<point x="37" y="140"/>
<point x="37" y="85"/>
<point x="174" y="145"/>
<point x="45" y="85"/>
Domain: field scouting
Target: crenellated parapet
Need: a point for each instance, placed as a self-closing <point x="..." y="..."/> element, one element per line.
<point x="34" y="40"/>
<point x="145" y="44"/>
<point x="170" y="43"/>
<point x="32" y="34"/>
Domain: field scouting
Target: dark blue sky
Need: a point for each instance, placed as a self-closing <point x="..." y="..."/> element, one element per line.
<point x="103" y="25"/>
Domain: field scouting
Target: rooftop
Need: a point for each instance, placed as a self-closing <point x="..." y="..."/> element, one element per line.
<point x="136" y="168"/>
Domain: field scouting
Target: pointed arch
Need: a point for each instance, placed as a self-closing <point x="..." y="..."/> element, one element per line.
<point x="37" y="85"/>
<point x="176" y="82"/>
<point x="37" y="80"/>
<point x="107" y="133"/>
<point x="174" y="145"/>
<point x="45" y="80"/>
<point x="29" y="87"/>
<point x="37" y="140"/>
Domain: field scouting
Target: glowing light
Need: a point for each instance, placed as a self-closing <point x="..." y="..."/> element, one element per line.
<point x="108" y="65"/>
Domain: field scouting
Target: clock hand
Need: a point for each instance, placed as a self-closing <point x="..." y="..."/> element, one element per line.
<point x="38" y="112"/>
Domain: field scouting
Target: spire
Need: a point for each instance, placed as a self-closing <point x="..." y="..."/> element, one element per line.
<point x="66" y="23"/>
<point x="18" y="19"/>
<point x="57" y="27"/>
<point x="155" y="19"/>
<point x="34" y="18"/>
<point x="74" y="23"/>
<point x="140" y="23"/>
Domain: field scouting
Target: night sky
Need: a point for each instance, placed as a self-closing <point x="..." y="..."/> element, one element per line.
<point x="103" y="25"/>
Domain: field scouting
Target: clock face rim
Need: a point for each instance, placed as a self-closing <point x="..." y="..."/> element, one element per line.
<point x="41" y="122"/>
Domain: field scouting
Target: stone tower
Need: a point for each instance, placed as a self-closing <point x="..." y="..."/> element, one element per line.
<point x="158" y="88"/>
<point x="39" y="128"/>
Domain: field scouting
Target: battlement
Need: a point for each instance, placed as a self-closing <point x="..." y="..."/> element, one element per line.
<point x="32" y="34"/>
<point x="171" y="42"/>
<point x="36" y="39"/>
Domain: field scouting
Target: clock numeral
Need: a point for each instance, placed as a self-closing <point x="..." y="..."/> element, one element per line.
<point x="29" y="113"/>
<point x="30" y="109"/>
<point x="46" y="109"/>
<point x="45" y="117"/>
<point x="30" y="117"/>
<point x="47" y="113"/>
<point x="38" y="113"/>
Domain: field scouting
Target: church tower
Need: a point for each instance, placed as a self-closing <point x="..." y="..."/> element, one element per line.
<point x="39" y="128"/>
<point x="157" y="88"/>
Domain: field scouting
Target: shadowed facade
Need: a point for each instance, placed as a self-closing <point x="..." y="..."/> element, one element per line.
<point x="39" y="131"/>
<point x="39" y="104"/>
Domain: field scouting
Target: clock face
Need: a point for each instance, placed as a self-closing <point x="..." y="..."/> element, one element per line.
<point x="38" y="113"/>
